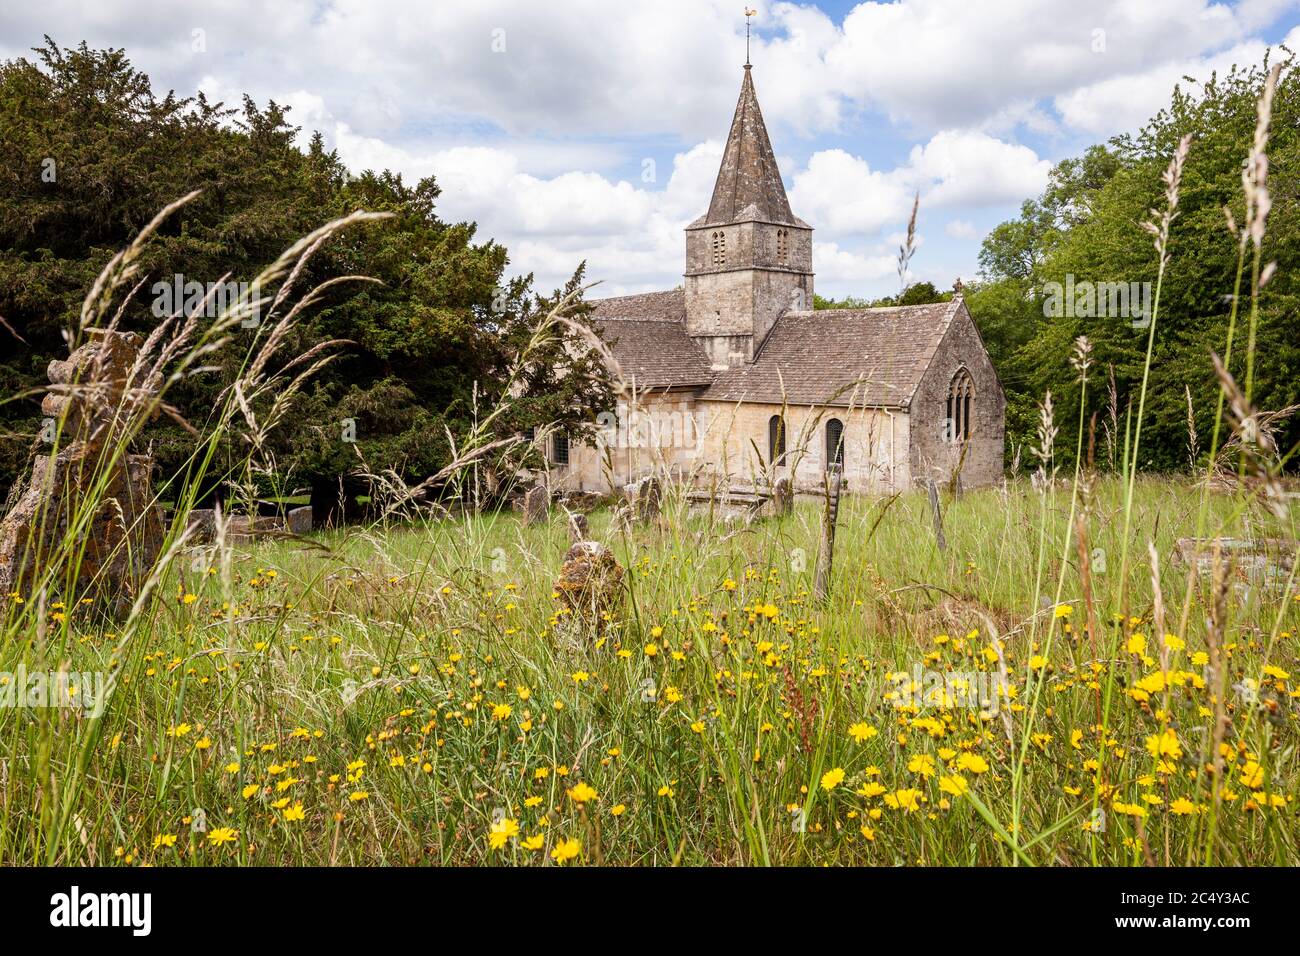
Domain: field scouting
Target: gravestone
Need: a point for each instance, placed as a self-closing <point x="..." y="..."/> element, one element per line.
<point x="649" y="497"/>
<point x="203" y="521"/>
<point x="537" y="505"/>
<point x="1262" y="562"/>
<point x="249" y="527"/>
<point x="298" y="521"/>
<point x="590" y="582"/>
<point x="98" y="394"/>
<point x="621" y="521"/>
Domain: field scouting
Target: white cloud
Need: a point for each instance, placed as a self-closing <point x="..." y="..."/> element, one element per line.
<point x="842" y="195"/>
<point x="582" y="67"/>
<point x="534" y="117"/>
<point x="631" y="233"/>
<point x="1260" y="13"/>
<point x="567" y="68"/>
<point x="951" y="62"/>
<point x="1120" y="103"/>
<point x="961" y="229"/>
<point x="837" y="265"/>
<point x="970" y="168"/>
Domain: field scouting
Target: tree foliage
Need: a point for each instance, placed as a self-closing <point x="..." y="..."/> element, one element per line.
<point x="1086" y="227"/>
<point x="917" y="293"/>
<point x="88" y="154"/>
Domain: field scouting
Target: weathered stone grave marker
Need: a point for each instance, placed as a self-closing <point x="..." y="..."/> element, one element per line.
<point x="537" y="505"/>
<point x="98" y="393"/>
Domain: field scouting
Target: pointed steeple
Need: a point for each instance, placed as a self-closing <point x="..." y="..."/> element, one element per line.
<point x="749" y="175"/>
<point x="749" y="258"/>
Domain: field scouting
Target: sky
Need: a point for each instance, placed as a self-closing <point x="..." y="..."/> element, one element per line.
<point x="574" y="130"/>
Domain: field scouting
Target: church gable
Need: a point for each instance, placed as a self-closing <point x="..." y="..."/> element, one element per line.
<point x="959" y="408"/>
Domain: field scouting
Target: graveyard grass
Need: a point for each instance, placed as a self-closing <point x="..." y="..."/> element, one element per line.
<point x="414" y="694"/>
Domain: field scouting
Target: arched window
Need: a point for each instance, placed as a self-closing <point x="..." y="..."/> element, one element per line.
<point x="719" y="248"/>
<point x="782" y="245"/>
<point x="834" y="444"/>
<point x="560" y="448"/>
<point x="961" y="394"/>
<point x="776" y="440"/>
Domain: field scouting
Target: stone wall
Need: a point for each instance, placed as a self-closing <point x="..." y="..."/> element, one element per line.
<point x="749" y="244"/>
<point x="662" y="435"/>
<point x="875" y="446"/>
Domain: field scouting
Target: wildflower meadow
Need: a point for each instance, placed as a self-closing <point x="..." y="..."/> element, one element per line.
<point x="1089" y="663"/>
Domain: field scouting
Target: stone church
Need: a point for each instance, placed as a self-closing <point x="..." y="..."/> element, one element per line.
<point x="733" y="380"/>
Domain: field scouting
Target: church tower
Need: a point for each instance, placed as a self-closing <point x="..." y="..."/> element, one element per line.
<point x="749" y="258"/>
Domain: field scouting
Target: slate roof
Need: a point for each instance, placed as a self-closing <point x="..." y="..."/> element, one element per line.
<point x="647" y="334"/>
<point x="749" y="184"/>
<point x="814" y="355"/>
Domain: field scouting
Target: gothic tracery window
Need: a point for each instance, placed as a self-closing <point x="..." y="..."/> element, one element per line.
<point x="782" y="245"/>
<point x="961" y="394"/>
<point x="719" y="248"/>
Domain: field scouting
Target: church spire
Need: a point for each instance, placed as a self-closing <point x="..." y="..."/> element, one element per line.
<point x="749" y="176"/>
<point x="748" y="259"/>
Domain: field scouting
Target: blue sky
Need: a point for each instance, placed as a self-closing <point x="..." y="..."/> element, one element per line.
<point x="591" y="129"/>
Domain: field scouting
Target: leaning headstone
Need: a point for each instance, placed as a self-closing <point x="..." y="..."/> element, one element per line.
<point x="298" y="521"/>
<point x="537" y="504"/>
<point x="649" y="497"/>
<point x="620" y="521"/>
<point x="241" y="527"/>
<point x="97" y="394"/>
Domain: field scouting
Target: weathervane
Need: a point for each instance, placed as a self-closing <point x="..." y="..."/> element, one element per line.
<point x="748" y="13"/>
